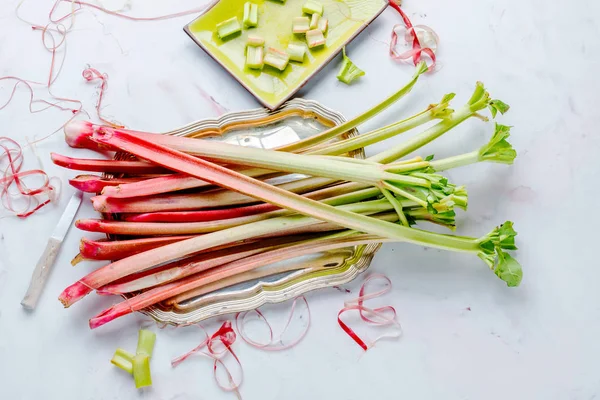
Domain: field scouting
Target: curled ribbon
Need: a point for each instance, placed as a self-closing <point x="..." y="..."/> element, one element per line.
<point x="11" y="162"/>
<point x="424" y="40"/>
<point x="381" y="316"/>
<point x="225" y="337"/>
<point x="271" y="345"/>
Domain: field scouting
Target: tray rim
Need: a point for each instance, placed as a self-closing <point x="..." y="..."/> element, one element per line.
<point x="302" y="83"/>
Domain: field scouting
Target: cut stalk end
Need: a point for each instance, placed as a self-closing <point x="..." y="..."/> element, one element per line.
<point x="73" y="293"/>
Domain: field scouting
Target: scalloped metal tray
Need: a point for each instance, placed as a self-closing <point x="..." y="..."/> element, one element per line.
<point x="274" y="283"/>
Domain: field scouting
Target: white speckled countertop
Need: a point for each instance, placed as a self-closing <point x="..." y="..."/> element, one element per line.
<point x="466" y="335"/>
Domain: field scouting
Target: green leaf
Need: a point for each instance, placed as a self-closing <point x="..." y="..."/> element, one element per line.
<point x="460" y="198"/>
<point x="442" y="109"/>
<point x="506" y="236"/>
<point x="502" y="238"/>
<point x="429" y="157"/>
<point x="508" y="269"/>
<point x="478" y="94"/>
<point x="496" y="106"/>
<point x="349" y="72"/>
<point x="447" y="97"/>
<point x="493" y="244"/>
<point x="411" y="220"/>
<point x="498" y="149"/>
<point x="437" y="181"/>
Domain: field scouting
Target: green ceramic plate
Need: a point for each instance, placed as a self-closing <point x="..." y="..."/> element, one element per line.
<point x="347" y="18"/>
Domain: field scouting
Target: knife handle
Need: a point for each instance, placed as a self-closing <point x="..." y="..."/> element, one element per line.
<point x="40" y="274"/>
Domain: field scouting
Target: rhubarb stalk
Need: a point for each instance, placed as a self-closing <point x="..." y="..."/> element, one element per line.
<point x="194" y="201"/>
<point x="95" y="184"/>
<point x="354" y="122"/>
<point x="121" y="167"/>
<point x="115" y="250"/>
<point x="500" y="238"/>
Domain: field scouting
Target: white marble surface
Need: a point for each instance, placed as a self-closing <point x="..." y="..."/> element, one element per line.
<point x="539" y="341"/>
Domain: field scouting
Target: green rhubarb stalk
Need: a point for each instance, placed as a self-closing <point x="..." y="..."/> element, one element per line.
<point x="433" y="112"/>
<point x="141" y="371"/>
<point x="315" y="38"/>
<point x="250" y="18"/>
<point x="500" y="238"/>
<point x="396" y="204"/>
<point x="255" y="57"/>
<point x="312" y="7"/>
<point x="354" y="122"/>
<point x="123" y="359"/>
<point x="314" y="21"/>
<point x="276" y="58"/>
<point x="349" y="160"/>
<point x="348" y="72"/>
<point x="497" y="150"/>
<point x="228" y="28"/>
<point x="323" y="24"/>
<point x="145" y="344"/>
<point x="192" y="265"/>
<point x="296" y="52"/>
<point x="255" y="40"/>
<point x="479" y="101"/>
<point x="300" y="25"/>
<point x="279" y="161"/>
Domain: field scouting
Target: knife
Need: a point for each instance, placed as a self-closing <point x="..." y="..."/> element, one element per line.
<point x="46" y="261"/>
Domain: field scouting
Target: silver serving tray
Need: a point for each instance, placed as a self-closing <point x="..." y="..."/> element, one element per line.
<point x="296" y="119"/>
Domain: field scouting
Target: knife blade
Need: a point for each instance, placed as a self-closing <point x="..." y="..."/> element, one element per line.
<point x="46" y="261"/>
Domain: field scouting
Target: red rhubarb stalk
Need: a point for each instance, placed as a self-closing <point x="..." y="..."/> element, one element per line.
<point x="83" y="164"/>
<point x="170" y="183"/>
<point x="176" y="270"/>
<point x="333" y="193"/>
<point x="157" y="256"/>
<point x="193" y="201"/>
<point x="234" y="280"/>
<point x="324" y="226"/>
<point x="115" y="250"/>
<point x="230" y="248"/>
<point x="161" y="228"/>
<point x="173" y="183"/>
<point x="95" y="184"/>
<point x="172" y="289"/>
<point x="200" y="216"/>
<point x="182" y="228"/>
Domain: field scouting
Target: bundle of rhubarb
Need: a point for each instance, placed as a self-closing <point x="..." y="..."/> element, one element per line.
<point x="200" y="215"/>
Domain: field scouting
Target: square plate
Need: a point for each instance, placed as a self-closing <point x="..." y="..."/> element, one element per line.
<point x="347" y="18"/>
